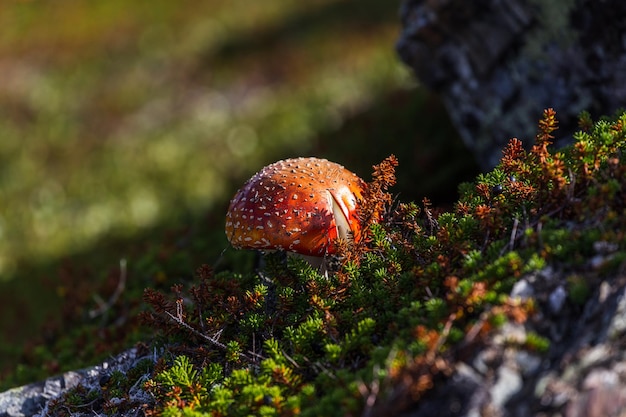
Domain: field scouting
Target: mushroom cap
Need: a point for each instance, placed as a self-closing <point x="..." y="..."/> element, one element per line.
<point x="298" y="205"/>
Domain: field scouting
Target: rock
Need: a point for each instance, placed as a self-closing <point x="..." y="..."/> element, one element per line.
<point x="30" y="399"/>
<point x="557" y="298"/>
<point x="583" y="373"/>
<point x="34" y="399"/>
<point x="498" y="64"/>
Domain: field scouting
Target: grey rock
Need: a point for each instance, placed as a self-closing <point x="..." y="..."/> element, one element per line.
<point x="497" y="64"/>
<point x="522" y="289"/>
<point x="30" y="399"/>
<point x="557" y="299"/>
<point x="509" y="383"/>
<point x="34" y="399"/>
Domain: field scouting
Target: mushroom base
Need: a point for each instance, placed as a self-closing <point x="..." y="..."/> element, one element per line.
<point x="318" y="262"/>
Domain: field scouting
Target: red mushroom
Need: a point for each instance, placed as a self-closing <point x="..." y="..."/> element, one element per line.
<point x="297" y="205"/>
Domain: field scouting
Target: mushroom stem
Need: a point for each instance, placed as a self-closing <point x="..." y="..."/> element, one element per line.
<point x="317" y="262"/>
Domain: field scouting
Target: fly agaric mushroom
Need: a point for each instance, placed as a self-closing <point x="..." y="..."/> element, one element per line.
<point x="296" y="205"/>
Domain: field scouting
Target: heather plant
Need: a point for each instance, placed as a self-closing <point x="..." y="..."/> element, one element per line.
<point x="288" y="340"/>
<point x="400" y="306"/>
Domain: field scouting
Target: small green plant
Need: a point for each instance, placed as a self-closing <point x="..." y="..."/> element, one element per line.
<point x="537" y="343"/>
<point x="578" y="289"/>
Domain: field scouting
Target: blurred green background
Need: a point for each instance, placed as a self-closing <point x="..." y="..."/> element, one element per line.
<point x="121" y="120"/>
